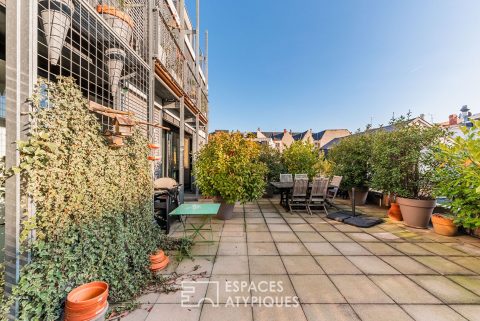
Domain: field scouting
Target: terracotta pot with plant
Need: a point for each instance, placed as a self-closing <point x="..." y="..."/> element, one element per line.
<point x="458" y="177"/>
<point x="351" y="159"/>
<point x="403" y="163"/>
<point x="229" y="169"/>
<point x="444" y="224"/>
<point x="87" y="302"/>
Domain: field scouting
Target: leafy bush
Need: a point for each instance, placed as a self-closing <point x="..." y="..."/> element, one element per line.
<point x="303" y="158"/>
<point x="351" y="159"/>
<point x="458" y="176"/>
<point x="93" y="206"/>
<point x="229" y="166"/>
<point x="272" y="158"/>
<point x="402" y="161"/>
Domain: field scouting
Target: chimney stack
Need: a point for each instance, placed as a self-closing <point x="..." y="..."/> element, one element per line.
<point x="284" y="130"/>
<point x="453" y="119"/>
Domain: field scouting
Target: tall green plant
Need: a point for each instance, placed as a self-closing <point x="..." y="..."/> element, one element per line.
<point x="272" y="158"/>
<point x="93" y="209"/>
<point x="302" y="158"/>
<point x="402" y="160"/>
<point x="458" y="176"/>
<point x="351" y="158"/>
<point x="229" y="166"/>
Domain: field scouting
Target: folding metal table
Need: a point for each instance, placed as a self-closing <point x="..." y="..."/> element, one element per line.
<point x="205" y="211"/>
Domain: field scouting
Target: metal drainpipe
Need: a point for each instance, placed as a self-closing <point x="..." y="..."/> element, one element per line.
<point x="181" y="169"/>
<point x="199" y="89"/>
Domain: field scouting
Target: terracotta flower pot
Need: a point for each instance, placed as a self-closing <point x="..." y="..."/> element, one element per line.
<point x="225" y="212"/>
<point x="153" y="146"/>
<point x="394" y="212"/>
<point x="153" y="158"/>
<point x="443" y="225"/>
<point x="157" y="257"/>
<point x="87" y="301"/>
<point x="416" y="213"/>
<point x="160" y="266"/>
<point x="95" y="315"/>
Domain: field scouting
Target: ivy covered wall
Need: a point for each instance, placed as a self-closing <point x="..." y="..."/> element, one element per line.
<point x="93" y="215"/>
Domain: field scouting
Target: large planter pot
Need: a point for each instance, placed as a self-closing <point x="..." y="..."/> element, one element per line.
<point x="416" y="213"/>
<point x="226" y="210"/>
<point x="394" y="212"/>
<point x="121" y="23"/>
<point x="87" y="302"/>
<point x="56" y="17"/>
<point x="360" y="196"/>
<point x="443" y="225"/>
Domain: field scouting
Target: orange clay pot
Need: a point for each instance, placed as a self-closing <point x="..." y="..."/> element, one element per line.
<point x="443" y="225"/>
<point x="153" y="158"/>
<point x="157" y="257"/>
<point x="86" y="301"/>
<point x="115" y="12"/>
<point x="153" y="146"/>
<point x="160" y="266"/>
<point x="394" y="212"/>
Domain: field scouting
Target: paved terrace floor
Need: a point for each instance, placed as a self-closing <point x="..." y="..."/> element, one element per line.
<point x="338" y="272"/>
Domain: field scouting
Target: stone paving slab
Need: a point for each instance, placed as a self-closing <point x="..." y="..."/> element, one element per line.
<point x="335" y="271"/>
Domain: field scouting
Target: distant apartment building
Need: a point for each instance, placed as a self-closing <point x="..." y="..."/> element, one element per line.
<point x="282" y="140"/>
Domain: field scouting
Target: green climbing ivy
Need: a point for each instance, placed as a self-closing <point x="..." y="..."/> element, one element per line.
<point x="93" y="209"/>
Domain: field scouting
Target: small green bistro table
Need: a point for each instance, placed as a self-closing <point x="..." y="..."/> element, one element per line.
<point x="203" y="210"/>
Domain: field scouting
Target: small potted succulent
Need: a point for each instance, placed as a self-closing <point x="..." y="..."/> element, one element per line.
<point x="351" y="158"/>
<point x="229" y="169"/>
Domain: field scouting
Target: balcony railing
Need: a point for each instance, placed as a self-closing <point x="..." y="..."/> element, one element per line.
<point x="168" y="52"/>
<point x="204" y="104"/>
<point x="191" y="84"/>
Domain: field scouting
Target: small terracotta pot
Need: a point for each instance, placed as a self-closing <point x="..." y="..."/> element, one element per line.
<point x="153" y="158"/>
<point x="157" y="257"/>
<point x="153" y="146"/>
<point x="443" y="225"/>
<point x="160" y="266"/>
<point x="394" y="212"/>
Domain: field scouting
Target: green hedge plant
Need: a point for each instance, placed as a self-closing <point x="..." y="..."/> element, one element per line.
<point x="458" y="176"/>
<point x="93" y="206"/>
<point x="351" y="158"/>
<point x="402" y="161"/>
<point x="229" y="166"/>
<point x="272" y="158"/>
<point x="304" y="158"/>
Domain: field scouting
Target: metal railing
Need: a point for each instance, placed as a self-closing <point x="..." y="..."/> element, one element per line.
<point x="204" y="104"/>
<point x="168" y="52"/>
<point x="191" y="84"/>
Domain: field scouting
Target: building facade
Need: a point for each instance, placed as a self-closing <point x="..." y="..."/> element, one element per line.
<point x="137" y="56"/>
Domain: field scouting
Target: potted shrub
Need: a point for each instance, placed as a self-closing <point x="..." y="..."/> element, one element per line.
<point x="302" y="158"/>
<point x="229" y="169"/>
<point x="385" y="176"/>
<point x="407" y="168"/>
<point x="272" y="158"/>
<point x="458" y="177"/>
<point x="118" y="19"/>
<point x="351" y="159"/>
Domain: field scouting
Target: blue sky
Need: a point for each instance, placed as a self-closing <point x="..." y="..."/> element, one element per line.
<point x="278" y="64"/>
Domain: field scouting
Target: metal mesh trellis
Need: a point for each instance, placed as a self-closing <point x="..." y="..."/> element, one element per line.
<point x="103" y="45"/>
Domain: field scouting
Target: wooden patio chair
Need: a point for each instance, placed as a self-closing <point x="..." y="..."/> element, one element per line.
<point x="318" y="194"/>
<point x="301" y="176"/>
<point x="285" y="178"/>
<point x="299" y="194"/>
<point x="333" y="188"/>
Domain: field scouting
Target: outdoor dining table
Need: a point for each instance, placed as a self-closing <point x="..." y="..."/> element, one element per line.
<point x="204" y="211"/>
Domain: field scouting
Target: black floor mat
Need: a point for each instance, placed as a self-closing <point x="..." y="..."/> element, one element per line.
<point x="362" y="221"/>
